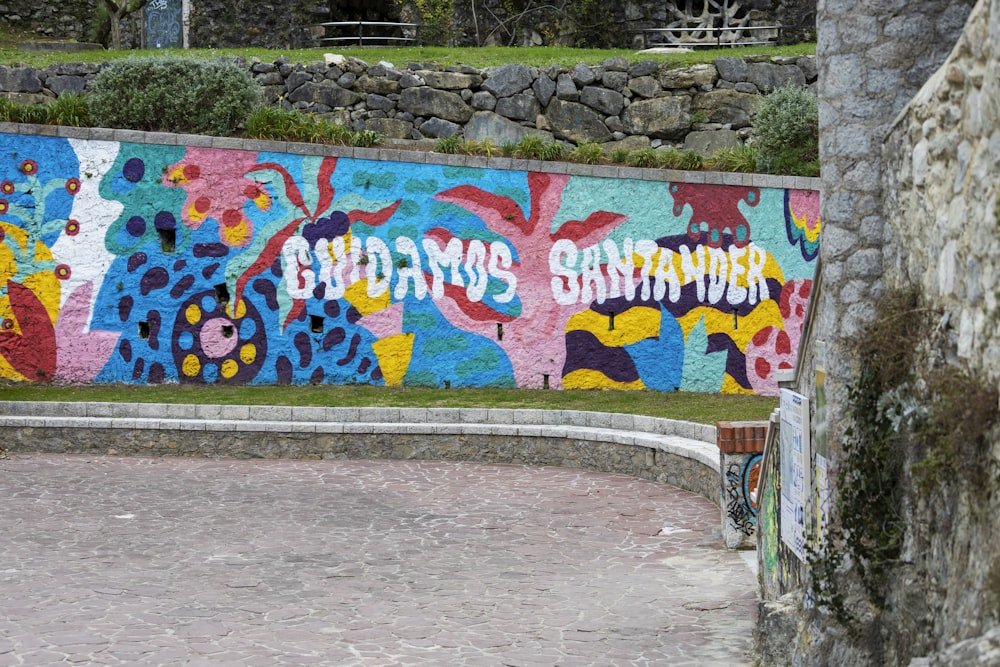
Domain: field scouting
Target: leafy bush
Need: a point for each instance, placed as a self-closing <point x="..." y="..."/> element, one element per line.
<point x="292" y="125"/>
<point x="739" y="158"/>
<point x="587" y="153"/>
<point x="68" y="109"/>
<point x="173" y="94"/>
<point x="453" y="145"/>
<point x="786" y="132"/>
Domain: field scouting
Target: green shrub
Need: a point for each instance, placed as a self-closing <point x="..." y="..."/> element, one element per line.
<point x="486" y="147"/>
<point x="366" y="138"/>
<point x="531" y="147"/>
<point x="619" y="155"/>
<point x="174" y="95"/>
<point x="452" y="145"/>
<point x="739" y="158"/>
<point x="644" y="157"/>
<point x="68" y="109"/>
<point x="587" y="153"/>
<point x="786" y="132"/>
<point x="553" y="150"/>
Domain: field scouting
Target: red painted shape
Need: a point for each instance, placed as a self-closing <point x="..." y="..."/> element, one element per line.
<point x="716" y="206"/>
<point x="32" y="353"/>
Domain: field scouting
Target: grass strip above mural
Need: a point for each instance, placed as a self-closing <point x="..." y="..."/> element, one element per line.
<point x="686" y="406"/>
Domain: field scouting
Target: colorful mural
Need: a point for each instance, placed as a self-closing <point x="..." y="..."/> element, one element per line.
<point x="124" y="262"/>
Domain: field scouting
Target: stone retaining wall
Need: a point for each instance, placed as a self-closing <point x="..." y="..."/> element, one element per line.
<point x="663" y="450"/>
<point x="703" y="107"/>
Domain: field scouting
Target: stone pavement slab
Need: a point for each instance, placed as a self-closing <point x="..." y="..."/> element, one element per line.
<point x="181" y="561"/>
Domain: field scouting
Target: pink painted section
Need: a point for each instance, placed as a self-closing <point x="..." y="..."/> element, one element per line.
<point x="217" y="189"/>
<point x="80" y="354"/>
<point x="534" y="341"/>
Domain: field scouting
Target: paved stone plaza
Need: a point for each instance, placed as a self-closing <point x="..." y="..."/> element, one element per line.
<point x="183" y="561"/>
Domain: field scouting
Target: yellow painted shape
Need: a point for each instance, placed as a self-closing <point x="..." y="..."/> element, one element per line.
<point x="177" y="176"/>
<point x="263" y="201"/>
<point x="8" y="267"/>
<point x="357" y="296"/>
<point x="731" y="386"/>
<point x="191" y="366"/>
<point x="229" y="368"/>
<point x="46" y="287"/>
<point x="587" y="378"/>
<point x="196" y="216"/>
<point x="248" y="353"/>
<point x="394" y="353"/>
<point x="241" y="310"/>
<point x="42" y="252"/>
<point x="635" y="324"/>
<point x="193" y="314"/>
<point x="802" y="222"/>
<point x="17" y="234"/>
<point x="238" y="235"/>
<point x="718" y="321"/>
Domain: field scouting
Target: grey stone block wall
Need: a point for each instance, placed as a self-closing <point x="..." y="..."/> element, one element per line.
<point x="619" y="105"/>
<point x="873" y="56"/>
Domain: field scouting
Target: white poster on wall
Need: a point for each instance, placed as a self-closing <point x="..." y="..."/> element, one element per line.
<point x="794" y="449"/>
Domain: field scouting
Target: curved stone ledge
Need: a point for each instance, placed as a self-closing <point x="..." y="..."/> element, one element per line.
<point x="680" y="453"/>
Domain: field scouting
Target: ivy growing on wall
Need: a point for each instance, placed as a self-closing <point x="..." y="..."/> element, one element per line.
<point x="919" y="426"/>
<point x="436" y="16"/>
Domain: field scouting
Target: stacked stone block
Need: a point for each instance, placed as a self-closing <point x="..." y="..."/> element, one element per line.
<point x="704" y="106"/>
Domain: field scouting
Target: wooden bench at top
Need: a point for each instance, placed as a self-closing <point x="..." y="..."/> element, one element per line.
<point x="361" y="37"/>
<point x="721" y="36"/>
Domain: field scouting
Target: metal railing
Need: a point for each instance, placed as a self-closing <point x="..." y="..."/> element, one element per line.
<point x="725" y="36"/>
<point x="361" y="37"/>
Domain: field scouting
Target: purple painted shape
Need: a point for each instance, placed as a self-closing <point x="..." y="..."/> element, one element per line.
<point x="135" y="226"/>
<point x="134" y="170"/>
<point x="125" y="307"/>
<point x="351" y="352"/>
<point x="181" y="286"/>
<point x="326" y="228"/>
<point x="210" y="250"/>
<point x="585" y="351"/>
<point x="156" y="374"/>
<point x="334" y="338"/>
<point x="267" y="290"/>
<point x="135" y="261"/>
<point x="154" y="279"/>
<point x="283" y="369"/>
<point x="304" y="347"/>
<point x="736" y="361"/>
<point x="125" y="349"/>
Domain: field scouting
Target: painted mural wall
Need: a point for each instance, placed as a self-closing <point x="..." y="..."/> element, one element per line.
<point x="129" y="262"/>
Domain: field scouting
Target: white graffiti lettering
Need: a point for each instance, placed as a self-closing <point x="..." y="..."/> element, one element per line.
<point x="371" y="260"/>
<point x="579" y="275"/>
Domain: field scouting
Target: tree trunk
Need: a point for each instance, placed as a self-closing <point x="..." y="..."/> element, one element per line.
<point x="117" y="10"/>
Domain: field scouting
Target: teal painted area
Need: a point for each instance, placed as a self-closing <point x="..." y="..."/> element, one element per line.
<point x="703" y="371"/>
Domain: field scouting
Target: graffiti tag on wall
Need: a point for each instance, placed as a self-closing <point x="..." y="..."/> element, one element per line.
<point x="138" y="263"/>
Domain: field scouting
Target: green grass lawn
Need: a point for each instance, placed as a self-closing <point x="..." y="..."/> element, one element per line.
<point x="541" y="56"/>
<point x="702" y="408"/>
